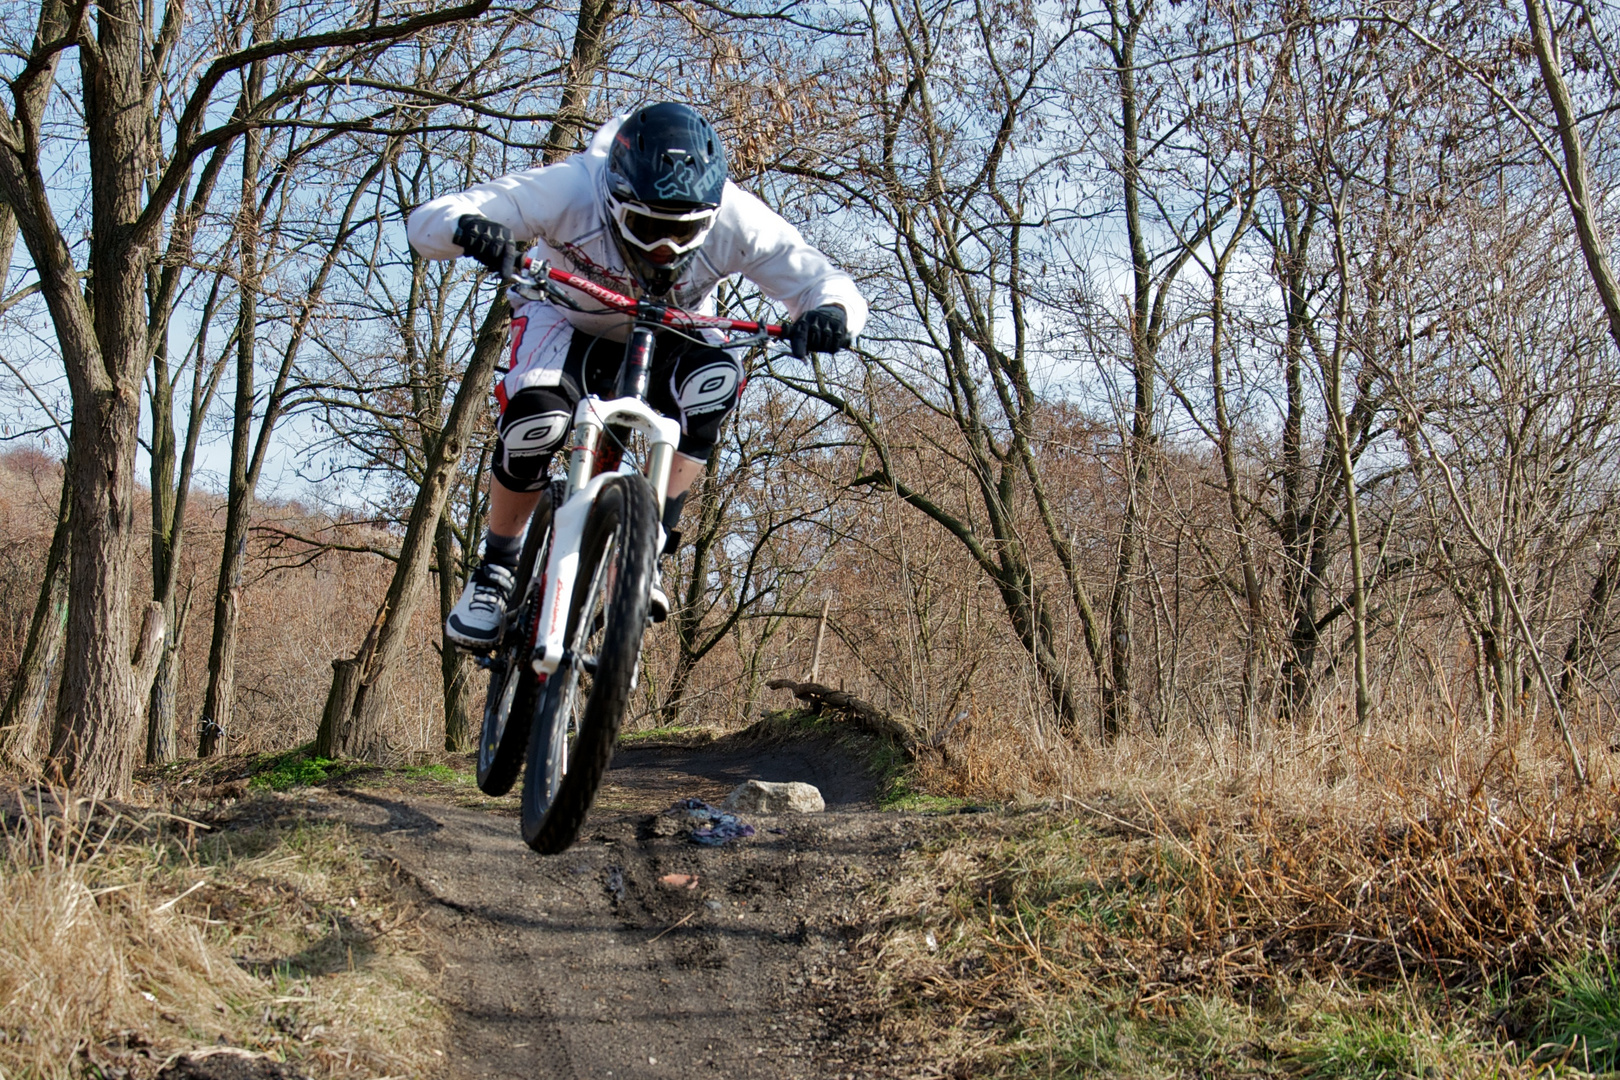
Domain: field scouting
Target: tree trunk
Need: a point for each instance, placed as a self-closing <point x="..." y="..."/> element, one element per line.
<point x="1574" y="178"/>
<point x="351" y="724"/>
<point x="162" y="728"/>
<point x="104" y="688"/>
<point x="169" y="501"/>
<point x="1305" y="554"/>
<point x="220" y="695"/>
<point x="1339" y="433"/>
<point x="220" y="698"/>
<point x="1118" y="706"/>
<point x="94" y="742"/>
<point x="583" y="64"/>
<point x="160" y="725"/>
<point x="162" y="735"/>
<point x="171" y="492"/>
<point x="1031" y="617"/>
<point x="339" y="704"/>
<point x="22" y="723"/>
<point x="454" y="665"/>
<point x="1254" y="632"/>
<point x="686" y="621"/>
<point x="1589" y="629"/>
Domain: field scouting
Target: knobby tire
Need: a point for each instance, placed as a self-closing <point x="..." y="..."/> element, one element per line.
<point x="577" y="722"/>
<point x="509" y="706"/>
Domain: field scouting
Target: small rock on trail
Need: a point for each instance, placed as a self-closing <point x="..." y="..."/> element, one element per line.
<point x="764" y="797"/>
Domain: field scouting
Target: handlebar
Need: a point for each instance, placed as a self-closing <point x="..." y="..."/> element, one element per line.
<point x="548" y="277"/>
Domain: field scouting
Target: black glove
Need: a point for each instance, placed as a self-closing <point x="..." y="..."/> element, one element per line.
<point x="818" y="330"/>
<point x="488" y="241"/>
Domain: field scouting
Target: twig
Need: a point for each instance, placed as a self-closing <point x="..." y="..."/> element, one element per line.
<point x="1116" y="820"/>
<point x="167" y="904"/>
<point x="38" y="399"/>
<point x="667" y="929"/>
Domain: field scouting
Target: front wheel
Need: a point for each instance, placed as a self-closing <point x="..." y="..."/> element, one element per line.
<point x="583" y="703"/>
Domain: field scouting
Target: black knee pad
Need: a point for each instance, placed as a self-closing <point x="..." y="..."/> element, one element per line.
<point x="706" y="384"/>
<point x="533" y="425"/>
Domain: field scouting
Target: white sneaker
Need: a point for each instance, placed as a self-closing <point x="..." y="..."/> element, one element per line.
<point x="657" y="599"/>
<point x="479" y="617"/>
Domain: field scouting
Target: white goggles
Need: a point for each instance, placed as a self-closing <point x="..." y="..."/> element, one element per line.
<point x="648" y="228"/>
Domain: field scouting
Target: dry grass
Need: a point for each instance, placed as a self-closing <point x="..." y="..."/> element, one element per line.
<point x="1375" y="909"/>
<point x="124" y="942"/>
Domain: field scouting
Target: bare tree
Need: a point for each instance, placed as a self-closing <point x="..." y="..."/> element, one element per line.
<point x="350" y="722"/>
<point x="103" y="338"/>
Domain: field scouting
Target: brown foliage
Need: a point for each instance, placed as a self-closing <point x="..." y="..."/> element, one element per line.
<point x="301" y="606"/>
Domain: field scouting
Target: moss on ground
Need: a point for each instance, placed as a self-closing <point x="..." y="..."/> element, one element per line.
<point x="684" y="734"/>
<point x="296" y="768"/>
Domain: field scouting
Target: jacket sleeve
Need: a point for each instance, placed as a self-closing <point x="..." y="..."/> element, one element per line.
<point x="527" y="202"/>
<point x="773" y="255"/>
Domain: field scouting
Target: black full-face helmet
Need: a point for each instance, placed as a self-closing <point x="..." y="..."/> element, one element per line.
<point x="665" y="178"/>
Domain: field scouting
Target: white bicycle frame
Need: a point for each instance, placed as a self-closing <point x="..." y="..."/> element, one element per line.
<point x="591" y="418"/>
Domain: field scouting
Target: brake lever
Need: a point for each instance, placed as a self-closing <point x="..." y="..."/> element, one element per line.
<point x="535" y="276"/>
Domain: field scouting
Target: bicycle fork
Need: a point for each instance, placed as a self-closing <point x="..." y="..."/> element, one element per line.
<point x="591" y="419"/>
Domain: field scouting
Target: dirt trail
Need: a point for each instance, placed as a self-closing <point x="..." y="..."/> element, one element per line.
<point x="585" y="965"/>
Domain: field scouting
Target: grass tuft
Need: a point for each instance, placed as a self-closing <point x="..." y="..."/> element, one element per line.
<point x="685" y="734"/>
<point x="1581" y="1021"/>
<point x="441" y="773"/>
<point x="1377" y="1042"/>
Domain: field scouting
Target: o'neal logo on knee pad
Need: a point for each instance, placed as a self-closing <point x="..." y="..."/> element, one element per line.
<point x="527" y="436"/>
<point x="708" y="388"/>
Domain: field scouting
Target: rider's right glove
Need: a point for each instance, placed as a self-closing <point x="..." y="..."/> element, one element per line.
<point x="488" y="241"/>
<point x="820" y="330"/>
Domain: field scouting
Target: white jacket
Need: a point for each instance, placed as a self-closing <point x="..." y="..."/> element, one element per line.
<point x="562" y="208"/>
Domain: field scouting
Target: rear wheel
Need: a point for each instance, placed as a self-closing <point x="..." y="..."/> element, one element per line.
<point x="513" y="687"/>
<point x="583" y="703"/>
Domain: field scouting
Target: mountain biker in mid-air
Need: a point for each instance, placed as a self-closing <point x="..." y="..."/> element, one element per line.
<point x="647" y="211"/>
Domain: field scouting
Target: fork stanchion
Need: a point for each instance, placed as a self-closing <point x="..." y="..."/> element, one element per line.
<point x="660" y="459"/>
<point x="582" y="459"/>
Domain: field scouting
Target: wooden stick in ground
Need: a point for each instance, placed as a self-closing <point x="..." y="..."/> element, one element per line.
<point x="821" y="634"/>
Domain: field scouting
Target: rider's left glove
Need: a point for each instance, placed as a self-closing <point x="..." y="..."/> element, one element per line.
<point x="488" y="241"/>
<point x="821" y="330"/>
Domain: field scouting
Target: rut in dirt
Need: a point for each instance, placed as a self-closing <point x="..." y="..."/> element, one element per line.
<point x="637" y="953"/>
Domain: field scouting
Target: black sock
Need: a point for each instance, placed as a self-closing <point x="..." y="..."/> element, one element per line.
<point x="502" y="550"/>
<point x="672" y="510"/>
<point x="672" y="517"/>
